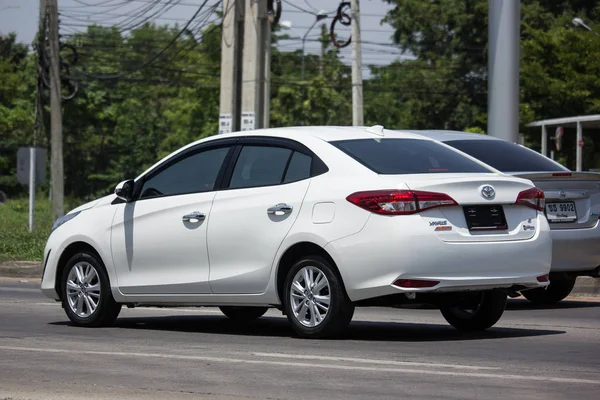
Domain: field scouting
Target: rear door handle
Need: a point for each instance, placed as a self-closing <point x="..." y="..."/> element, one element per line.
<point x="280" y="209"/>
<point x="194" y="217"/>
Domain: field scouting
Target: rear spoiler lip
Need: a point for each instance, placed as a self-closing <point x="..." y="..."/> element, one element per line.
<point x="549" y="176"/>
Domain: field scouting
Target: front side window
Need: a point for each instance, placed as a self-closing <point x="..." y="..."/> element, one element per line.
<point x="260" y="166"/>
<point x="407" y="156"/>
<point x="193" y="174"/>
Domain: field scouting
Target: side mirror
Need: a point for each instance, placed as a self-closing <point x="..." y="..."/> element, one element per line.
<point x="124" y="190"/>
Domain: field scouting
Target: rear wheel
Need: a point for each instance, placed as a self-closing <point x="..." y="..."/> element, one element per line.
<point x="243" y="313"/>
<point x="86" y="295"/>
<point x="556" y="291"/>
<point x="315" y="301"/>
<point x="475" y="312"/>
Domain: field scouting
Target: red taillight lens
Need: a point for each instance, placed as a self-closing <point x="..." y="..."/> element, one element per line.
<point x="533" y="198"/>
<point x="415" y="283"/>
<point x="399" y="202"/>
<point x="562" y="174"/>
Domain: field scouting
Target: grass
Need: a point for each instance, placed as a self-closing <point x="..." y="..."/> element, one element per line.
<point x="16" y="243"/>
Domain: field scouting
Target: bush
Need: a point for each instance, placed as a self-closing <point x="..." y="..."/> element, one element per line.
<point x="16" y="243"/>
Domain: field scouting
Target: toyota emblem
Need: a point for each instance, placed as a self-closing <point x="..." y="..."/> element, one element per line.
<point x="488" y="192"/>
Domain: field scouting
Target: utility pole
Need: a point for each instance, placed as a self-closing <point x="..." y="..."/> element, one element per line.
<point x="231" y="65"/>
<point x="357" y="83"/>
<point x="503" y="69"/>
<point x="256" y="54"/>
<point x="56" y="137"/>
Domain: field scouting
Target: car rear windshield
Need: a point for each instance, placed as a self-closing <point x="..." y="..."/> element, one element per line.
<point x="505" y="156"/>
<point x="407" y="156"/>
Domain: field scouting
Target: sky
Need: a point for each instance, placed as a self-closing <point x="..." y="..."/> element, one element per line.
<point x="21" y="16"/>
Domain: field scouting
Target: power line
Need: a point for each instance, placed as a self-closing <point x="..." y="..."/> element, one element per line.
<point x="152" y="59"/>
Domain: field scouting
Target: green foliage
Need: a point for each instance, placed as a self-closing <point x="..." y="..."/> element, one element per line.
<point x="475" y="129"/>
<point x="17" y="82"/>
<point x="446" y="86"/>
<point x="16" y="243"/>
<point x="115" y="128"/>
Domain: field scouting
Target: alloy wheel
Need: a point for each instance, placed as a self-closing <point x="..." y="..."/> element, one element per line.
<point x="310" y="296"/>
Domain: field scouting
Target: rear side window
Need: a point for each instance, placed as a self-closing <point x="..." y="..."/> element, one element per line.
<point x="260" y="166"/>
<point x="407" y="156"/>
<point x="505" y="156"/>
<point x="299" y="167"/>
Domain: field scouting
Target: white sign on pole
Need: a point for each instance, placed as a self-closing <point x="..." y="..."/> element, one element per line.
<point x="248" y="119"/>
<point x="24" y="164"/>
<point x="225" y="121"/>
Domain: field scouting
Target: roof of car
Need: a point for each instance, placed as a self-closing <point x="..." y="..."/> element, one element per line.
<point x="446" y="136"/>
<point x="327" y="133"/>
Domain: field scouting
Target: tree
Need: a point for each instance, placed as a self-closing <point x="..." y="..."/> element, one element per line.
<point x="559" y="63"/>
<point x="17" y="74"/>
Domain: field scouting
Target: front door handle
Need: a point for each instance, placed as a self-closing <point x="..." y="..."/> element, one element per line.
<point x="194" y="217"/>
<point x="280" y="209"/>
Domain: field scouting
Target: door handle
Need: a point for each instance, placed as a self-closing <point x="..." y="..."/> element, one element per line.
<point x="280" y="209"/>
<point x="198" y="216"/>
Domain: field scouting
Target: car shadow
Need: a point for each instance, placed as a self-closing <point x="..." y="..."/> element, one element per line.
<point x="358" y="330"/>
<point x="522" y="304"/>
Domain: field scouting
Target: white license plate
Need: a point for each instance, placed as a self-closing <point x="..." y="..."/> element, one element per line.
<point x="561" y="212"/>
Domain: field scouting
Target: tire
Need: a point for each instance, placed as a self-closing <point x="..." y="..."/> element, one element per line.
<point x="75" y="293"/>
<point x="556" y="291"/>
<point x="326" y="321"/>
<point x="476" y="312"/>
<point x="243" y="314"/>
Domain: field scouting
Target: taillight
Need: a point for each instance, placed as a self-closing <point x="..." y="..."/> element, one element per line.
<point x="562" y="174"/>
<point x="533" y="198"/>
<point x="399" y="202"/>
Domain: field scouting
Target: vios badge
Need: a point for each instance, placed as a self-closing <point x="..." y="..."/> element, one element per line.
<point x="488" y="192"/>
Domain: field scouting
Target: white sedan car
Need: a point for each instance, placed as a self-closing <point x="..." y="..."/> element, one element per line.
<point x="313" y="221"/>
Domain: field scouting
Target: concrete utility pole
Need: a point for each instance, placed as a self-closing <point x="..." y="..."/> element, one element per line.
<point x="256" y="59"/>
<point x="56" y="137"/>
<point x="231" y="65"/>
<point x="503" y="69"/>
<point x="357" y="83"/>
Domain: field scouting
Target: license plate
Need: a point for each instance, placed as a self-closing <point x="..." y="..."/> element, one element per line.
<point x="561" y="212"/>
<point x="485" y="218"/>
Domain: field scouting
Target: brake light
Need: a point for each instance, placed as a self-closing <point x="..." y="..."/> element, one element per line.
<point x="399" y="202"/>
<point x="533" y="198"/>
<point x="562" y="174"/>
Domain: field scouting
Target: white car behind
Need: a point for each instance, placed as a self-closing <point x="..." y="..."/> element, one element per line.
<point x="313" y="221"/>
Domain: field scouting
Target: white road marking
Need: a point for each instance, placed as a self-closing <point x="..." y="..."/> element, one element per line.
<point x="18" y="289"/>
<point x="370" y="361"/>
<point x="312" y="366"/>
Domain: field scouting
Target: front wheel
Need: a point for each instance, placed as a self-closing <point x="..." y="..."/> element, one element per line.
<point x="86" y="295"/>
<point x="315" y="300"/>
<point x="556" y="291"/>
<point x="475" y="312"/>
<point x="243" y="314"/>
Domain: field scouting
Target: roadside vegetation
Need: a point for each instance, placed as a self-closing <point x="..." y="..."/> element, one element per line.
<point x="16" y="243"/>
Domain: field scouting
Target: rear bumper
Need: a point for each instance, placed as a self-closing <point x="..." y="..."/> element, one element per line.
<point x="576" y="250"/>
<point x="388" y="249"/>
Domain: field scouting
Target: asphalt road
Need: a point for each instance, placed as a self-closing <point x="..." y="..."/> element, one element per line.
<point x="533" y="353"/>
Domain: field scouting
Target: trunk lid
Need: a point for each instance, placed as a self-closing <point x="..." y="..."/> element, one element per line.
<point x="450" y="222"/>
<point x="572" y="198"/>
